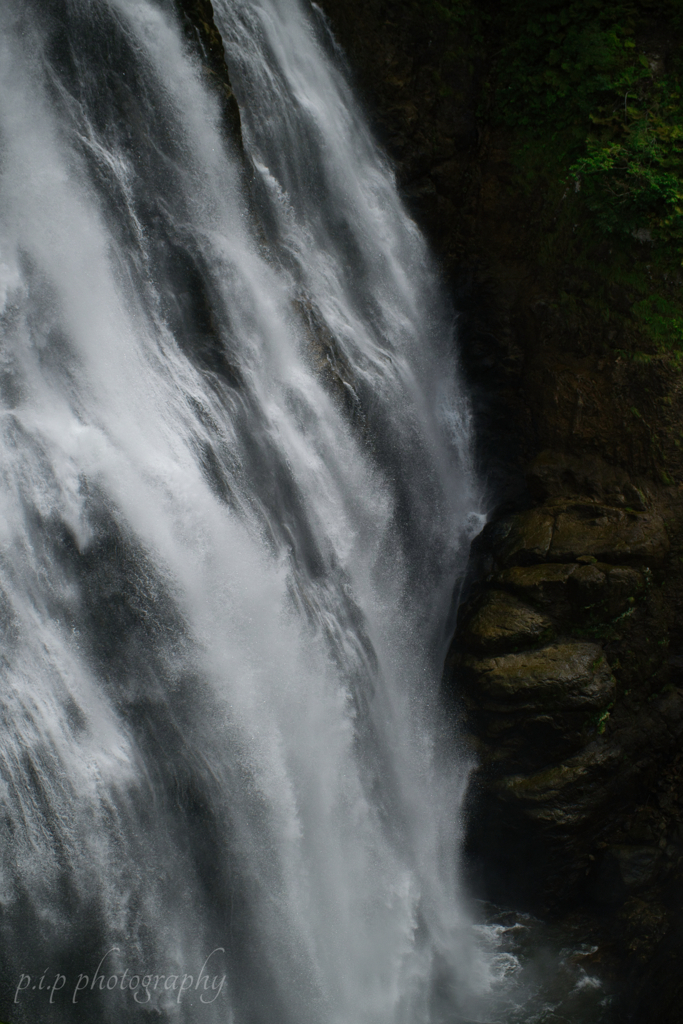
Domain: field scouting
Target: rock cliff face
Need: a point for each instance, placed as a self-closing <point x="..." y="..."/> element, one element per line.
<point x="567" y="665"/>
<point x="569" y="693"/>
<point x="558" y="658"/>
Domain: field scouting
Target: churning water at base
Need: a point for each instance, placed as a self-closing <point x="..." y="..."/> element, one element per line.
<point x="235" y="504"/>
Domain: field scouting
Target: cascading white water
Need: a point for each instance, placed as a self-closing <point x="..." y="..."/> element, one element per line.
<point x="235" y="503"/>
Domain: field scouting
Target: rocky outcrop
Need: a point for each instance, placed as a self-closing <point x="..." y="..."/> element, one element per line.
<point x="567" y="688"/>
<point x="606" y="534"/>
<point x="548" y="703"/>
<point x="501" y="622"/>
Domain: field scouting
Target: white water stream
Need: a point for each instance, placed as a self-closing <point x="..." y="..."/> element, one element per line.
<point x="235" y="503"/>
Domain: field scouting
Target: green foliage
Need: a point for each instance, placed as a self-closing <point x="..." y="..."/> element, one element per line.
<point x="589" y="97"/>
<point x="559" y="62"/>
<point x="603" y="719"/>
<point x="581" y="77"/>
<point x="456" y="14"/>
<point x="632" y="171"/>
<point x="662" y="321"/>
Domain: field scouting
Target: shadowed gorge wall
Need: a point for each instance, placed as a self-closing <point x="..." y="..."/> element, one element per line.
<point x="540" y="145"/>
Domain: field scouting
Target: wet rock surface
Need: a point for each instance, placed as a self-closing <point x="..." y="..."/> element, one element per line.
<point x="565" y="532"/>
<point x="564" y="676"/>
<point x="552" y="722"/>
<point x="502" y="622"/>
<point x="575" y="712"/>
<point x="608" y="534"/>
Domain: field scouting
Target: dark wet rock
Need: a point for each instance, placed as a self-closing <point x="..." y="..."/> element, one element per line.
<point x="545" y="585"/>
<point x="625" y="869"/>
<point x="567" y="794"/>
<point x="589" y="579"/>
<point x="546" y="812"/>
<point x="565" y="533"/>
<point x="602" y="592"/>
<point x="653" y="940"/>
<point x="502" y="622"/>
<point x="515" y="741"/>
<point x="554" y="475"/>
<point x="528" y="539"/>
<point x="564" y="676"/>
<point x="555" y="736"/>
<point x="609" y="534"/>
<point x="539" y="824"/>
<point x="529" y="709"/>
<point x="570" y="589"/>
<point x="623" y="583"/>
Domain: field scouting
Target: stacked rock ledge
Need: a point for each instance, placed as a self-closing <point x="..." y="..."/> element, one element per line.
<point x="559" y="669"/>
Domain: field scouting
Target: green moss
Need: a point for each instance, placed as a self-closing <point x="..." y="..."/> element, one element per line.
<point x="595" y="116"/>
<point x="662" y="320"/>
<point x="602" y="719"/>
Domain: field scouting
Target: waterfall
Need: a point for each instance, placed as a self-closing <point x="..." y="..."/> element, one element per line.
<point x="236" y="502"/>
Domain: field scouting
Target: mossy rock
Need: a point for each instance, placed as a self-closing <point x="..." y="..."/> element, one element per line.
<point x="565" y="533"/>
<point x="569" y="676"/>
<point x="609" y="534"/>
<point x="502" y="622"/>
<point x="526" y="741"/>
<point x="602" y="592"/>
<point x="544" y="585"/>
<point x="563" y="796"/>
<point x="529" y="538"/>
<point x="554" y="475"/>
